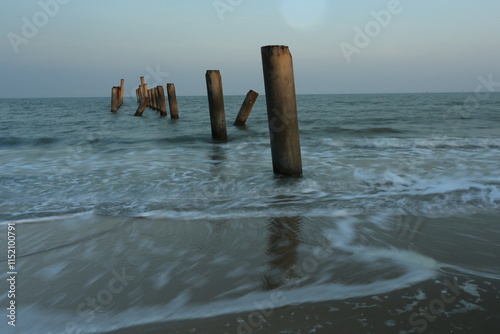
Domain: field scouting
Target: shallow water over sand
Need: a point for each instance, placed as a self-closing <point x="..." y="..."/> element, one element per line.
<point x="111" y="273"/>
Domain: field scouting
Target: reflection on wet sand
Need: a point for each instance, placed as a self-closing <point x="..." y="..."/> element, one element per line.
<point x="282" y="251"/>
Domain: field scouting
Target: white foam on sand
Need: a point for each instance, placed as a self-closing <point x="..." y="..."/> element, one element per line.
<point x="49" y="219"/>
<point x="41" y="320"/>
<point x="412" y="267"/>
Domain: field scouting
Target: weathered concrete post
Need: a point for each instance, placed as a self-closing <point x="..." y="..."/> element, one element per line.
<point x="142" y="106"/>
<point x="216" y="105"/>
<point x="282" y="109"/>
<point x="158" y="98"/>
<point x="122" y="90"/>
<point x="150" y="95"/>
<point x="246" y="108"/>
<point x="115" y="98"/>
<point x="157" y="95"/>
<point x="172" y="101"/>
<point x="144" y="92"/>
<point x="141" y="90"/>
<point x="162" y="104"/>
<point x="154" y="98"/>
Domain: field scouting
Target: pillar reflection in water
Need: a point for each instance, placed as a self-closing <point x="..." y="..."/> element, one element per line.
<point x="282" y="251"/>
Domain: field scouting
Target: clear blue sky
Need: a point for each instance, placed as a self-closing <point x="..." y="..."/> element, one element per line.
<point x="84" y="47"/>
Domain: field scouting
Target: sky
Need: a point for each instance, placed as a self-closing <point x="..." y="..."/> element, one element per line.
<point x="81" y="48"/>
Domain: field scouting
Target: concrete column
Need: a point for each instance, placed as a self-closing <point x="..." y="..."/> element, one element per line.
<point x="282" y="110"/>
<point x="142" y="106"/>
<point x="216" y="105"/>
<point x="172" y="101"/>
<point x="246" y="108"/>
<point x="162" y="103"/>
<point x="155" y="98"/>
<point x="150" y="95"/>
<point x="144" y="91"/>
<point x="122" y="90"/>
<point x="115" y="99"/>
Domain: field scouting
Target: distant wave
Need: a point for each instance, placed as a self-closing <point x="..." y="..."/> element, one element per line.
<point x="18" y="141"/>
<point x="378" y="130"/>
<point x="363" y="131"/>
<point x="429" y="143"/>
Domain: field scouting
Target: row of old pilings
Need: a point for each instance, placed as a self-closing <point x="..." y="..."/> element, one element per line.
<point x="155" y="99"/>
<point x="281" y="104"/>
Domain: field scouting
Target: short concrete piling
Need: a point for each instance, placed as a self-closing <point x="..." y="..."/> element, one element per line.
<point x="162" y="103"/>
<point x="122" y="90"/>
<point x="157" y="97"/>
<point x="140" y="90"/>
<point x="154" y="93"/>
<point x="282" y="109"/>
<point x="246" y="108"/>
<point x="142" y="106"/>
<point x="172" y="101"/>
<point x="154" y="99"/>
<point x="115" y="98"/>
<point x="144" y="91"/>
<point x="150" y="96"/>
<point x="216" y="105"/>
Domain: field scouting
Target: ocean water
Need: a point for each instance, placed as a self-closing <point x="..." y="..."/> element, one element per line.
<point x="145" y="225"/>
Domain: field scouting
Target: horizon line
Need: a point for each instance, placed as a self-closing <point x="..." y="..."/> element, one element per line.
<point x="203" y="95"/>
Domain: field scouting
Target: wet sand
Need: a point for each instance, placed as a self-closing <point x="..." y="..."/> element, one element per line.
<point x="362" y="273"/>
<point x="402" y="311"/>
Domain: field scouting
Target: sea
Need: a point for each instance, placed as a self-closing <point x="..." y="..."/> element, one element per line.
<point x="124" y="224"/>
